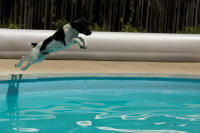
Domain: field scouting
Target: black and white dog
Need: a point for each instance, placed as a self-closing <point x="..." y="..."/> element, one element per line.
<point x="60" y="40"/>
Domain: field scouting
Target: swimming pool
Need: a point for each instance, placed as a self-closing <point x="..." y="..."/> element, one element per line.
<point x="100" y="105"/>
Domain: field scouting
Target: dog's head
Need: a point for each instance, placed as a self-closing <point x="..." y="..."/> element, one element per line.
<point x="82" y="26"/>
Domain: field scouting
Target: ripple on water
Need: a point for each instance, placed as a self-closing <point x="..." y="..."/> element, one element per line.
<point x="138" y="131"/>
<point x="160" y="123"/>
<point x="84" y="123"/>
<point x="135" y="117"/>
<point x="26" y="129"/>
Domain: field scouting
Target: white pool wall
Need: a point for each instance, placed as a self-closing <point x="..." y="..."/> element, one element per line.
<point x="116" y="46"/>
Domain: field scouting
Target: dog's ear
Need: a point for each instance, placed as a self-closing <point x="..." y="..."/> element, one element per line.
<point x="73" y="24"/>
<point x="80" y="22"/>
<point x="84" y="21"/>
<point x="77" y="24"/>
<point x="81" y="25"/>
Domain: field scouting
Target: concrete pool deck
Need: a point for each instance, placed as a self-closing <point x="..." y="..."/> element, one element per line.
<point x="81" y="66"/>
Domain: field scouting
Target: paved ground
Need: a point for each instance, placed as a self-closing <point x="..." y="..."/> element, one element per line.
<point x="77" y="66"/>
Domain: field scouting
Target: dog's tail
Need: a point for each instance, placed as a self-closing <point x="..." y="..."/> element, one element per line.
<point x="33" y="44"/>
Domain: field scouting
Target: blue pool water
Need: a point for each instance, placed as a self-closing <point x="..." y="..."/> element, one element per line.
<point x="100" y="105"/>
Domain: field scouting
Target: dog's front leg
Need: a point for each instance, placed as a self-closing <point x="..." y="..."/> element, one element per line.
<point x="84" y="42"/>
<point x="27" y="66"/>
<point x="80" y="43"/>
<point x="40" y="58"/>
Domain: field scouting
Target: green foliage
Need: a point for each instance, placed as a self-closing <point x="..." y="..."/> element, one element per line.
<point x="11" y="26"/>
<point x="2" y="26"/>
<point x="190" y="30"/>
<point x="130" y="28"/>
<point x="96" y="27"/>
<point x="59" y="23"/>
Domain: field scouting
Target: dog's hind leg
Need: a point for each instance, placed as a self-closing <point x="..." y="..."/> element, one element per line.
<point x="22" y="60"/>
<point x="27" y="66"/>
<point x="31" y="62"/>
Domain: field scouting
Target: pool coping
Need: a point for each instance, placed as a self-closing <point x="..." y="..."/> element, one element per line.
<point x="66" y="75"/>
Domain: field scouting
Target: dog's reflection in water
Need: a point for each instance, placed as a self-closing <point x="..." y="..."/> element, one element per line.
<point x="12" y="94"/>
<point x="12" y="99"/>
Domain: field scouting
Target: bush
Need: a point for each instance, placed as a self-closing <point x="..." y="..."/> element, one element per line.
<point x="11" y="26"/>
<point x="190" y="30"/>
<point x="59" y="23"/>
<point x="130" y="28"/>
<point x="96" y="27"/>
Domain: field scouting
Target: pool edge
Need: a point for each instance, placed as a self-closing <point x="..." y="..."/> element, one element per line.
<point x="62" y="75"/>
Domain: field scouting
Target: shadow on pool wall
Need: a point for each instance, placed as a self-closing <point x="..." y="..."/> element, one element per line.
<point x="114" y="46"/>
<point x="12" y="93"/>
<point x="12" y="100"/>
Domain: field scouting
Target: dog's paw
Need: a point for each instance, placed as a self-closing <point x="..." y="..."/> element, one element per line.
<point x="85" y="47"/>
<point x="16" y="66"/>
<point x="23" y="57"/>
<point x="23" y="68"/>
<point x="81" y="47"/>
